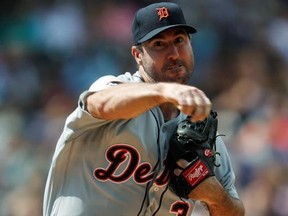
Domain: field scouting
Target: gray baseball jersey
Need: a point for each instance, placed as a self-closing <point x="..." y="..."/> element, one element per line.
<point x="104" y="167"/>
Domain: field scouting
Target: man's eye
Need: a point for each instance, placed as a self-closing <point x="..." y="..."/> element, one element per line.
<point x="179" y="40"/>
<point x="158" y="44"/>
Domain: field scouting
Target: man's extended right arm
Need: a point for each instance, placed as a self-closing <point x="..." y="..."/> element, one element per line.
<point x="128" y="100"/>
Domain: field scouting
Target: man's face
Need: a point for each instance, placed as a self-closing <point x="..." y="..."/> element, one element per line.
<point x="167" y="57"/>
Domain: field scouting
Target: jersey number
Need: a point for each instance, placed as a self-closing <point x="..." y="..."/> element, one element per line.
<point x="180" y="208"/>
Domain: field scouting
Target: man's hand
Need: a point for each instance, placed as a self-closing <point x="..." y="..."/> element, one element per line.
<point x="188" y="99"/>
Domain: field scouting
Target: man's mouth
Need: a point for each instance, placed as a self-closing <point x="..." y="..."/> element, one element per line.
<point x="175" y="68"/>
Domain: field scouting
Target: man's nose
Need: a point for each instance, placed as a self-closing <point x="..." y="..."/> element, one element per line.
<point x="173" y="52"/>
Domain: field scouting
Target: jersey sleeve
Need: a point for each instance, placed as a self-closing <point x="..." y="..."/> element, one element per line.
<point x="81" y="120"/>
<point x="100" y="84"/>
<point x="224" y="172"/>
<point x="106" y="82"/>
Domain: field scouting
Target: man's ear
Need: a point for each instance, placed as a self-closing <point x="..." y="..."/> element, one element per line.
<point x="136" y="53"/>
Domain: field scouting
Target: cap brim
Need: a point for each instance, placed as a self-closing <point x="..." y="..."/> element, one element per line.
<point x="151" y="34"/>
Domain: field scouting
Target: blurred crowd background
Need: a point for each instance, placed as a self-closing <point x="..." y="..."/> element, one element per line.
<point x="52" y="50"/>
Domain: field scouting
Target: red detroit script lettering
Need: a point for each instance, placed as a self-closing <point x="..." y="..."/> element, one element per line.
<point x="142" y="173"/>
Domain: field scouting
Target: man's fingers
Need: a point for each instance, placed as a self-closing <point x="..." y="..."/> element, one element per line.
<point x="197" y="113"/>
<point x="182" y="164"/>
<point x="195" y="104"/>
<point x="177" y="171"/>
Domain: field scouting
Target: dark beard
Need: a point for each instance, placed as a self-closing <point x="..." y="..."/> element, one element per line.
<point x="172" y="65"/>
<point x="156" y="76"/>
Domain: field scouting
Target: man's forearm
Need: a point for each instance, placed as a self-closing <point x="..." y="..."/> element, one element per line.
<point x="217" y="199"/>
<point x="228" y="207"/>
<point x="123" y="101"/>
<point x="127" y="101"/>
<point x="222" y="204"/>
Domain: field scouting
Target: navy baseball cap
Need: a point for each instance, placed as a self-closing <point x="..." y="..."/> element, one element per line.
<point x="155" y="18"/>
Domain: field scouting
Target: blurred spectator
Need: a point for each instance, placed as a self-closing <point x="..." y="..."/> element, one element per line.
<point x="60" y="27"/>
<point x="277" y="30"/>
<point x="20" y="82"/>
